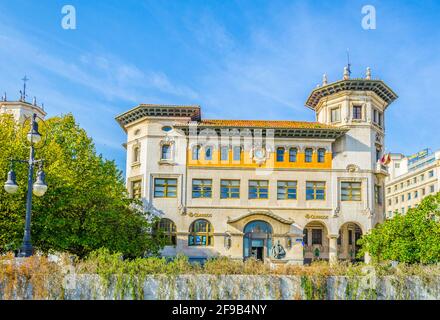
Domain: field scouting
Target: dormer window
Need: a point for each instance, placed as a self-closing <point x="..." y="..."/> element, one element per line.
<point x="357" y="112"/>
<point x="166" y="152"/>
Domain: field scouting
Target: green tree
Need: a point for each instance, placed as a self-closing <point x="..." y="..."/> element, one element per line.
<point x="410" y="238"/>
<point x="86" y="206"/>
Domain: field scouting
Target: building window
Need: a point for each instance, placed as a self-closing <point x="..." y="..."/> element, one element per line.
<point x="196" y="153"/>
<point x="202" y="188"/>
<point x="230" y="189"/>
<point x="201" y="233"/>
<point x="335" y="115"/>
<point x="375" y="116"/>
<point x="380" y="119"/>
<point x="431" y="173"/>
<point x="401" y="185"/>
<point x="378" y="194"/>
<point x="397" y="200"/>
<point x="357" y="112"/>
<point x="280" y="154"/>
<point x="237" y="153"/>
<point x="378" y="154"/>
<point x="315" y="190"/>
<point x="258" y="189"/>
<point x="351" y="191"/>
<point x="306" y="237"/>
<point x="431" y="189"/>
<point x="388" y="190"/>
<point x="402" y="210"/>
<point x="415" y="180"/>
<point x="166" y="152"/>
<point x="224" y="153"/>
<point x="317" y="236"/>
<point x="321" y="155"/>
<point x="309" y="154"/>
<point x="422" y="177"/>
<point x="292" y="154"/>
<point x="286" y="190"/>
<point x="165" y="188"/>
<point x="423" y="191"/>
<point x="350" y="237"/>
<point x="136" y="154"/>
<point x="409" y="195"/>
<point x="389" y="202"/>
<point x="168" y="229"/>
<point x="136" y="189"/>
<point x="408" y="183"/>
<point x="403" y="197"/>
<point x="395" y="187"/>
<point x="208" y="153"/>
<point x="397" y="165"/>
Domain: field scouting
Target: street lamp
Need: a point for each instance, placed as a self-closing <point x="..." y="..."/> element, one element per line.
<point x="39" y="188"/>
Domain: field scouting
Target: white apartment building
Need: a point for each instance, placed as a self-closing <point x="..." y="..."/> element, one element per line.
<point x="410" y="180"/>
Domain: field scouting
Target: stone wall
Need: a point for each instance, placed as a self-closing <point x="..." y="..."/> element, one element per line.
<point x="238" y="287"/>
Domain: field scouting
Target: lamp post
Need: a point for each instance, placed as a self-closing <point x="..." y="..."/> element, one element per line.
<point x="39" y="188"/>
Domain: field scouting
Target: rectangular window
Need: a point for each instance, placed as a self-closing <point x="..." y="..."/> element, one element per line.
<point x="236" y="153"/>
<point x="431" y="189"/>
<point x="422" y="177"/>
<point x="403" y="197"/>
<point x="136" y="189"/>
<point x="230" y="189"/>
<point x="423" y="191"/>
<point x="415" y="180"/>
<point x="335" y="114"/>
<point x="350" y="237"/>
<point x="389" y="190"/>
<point x="202" y="188"/>
<point x="431" y="173"/>
<point x="258" y="189"/>
<point x="409" y="195"/>
<point x="380" y="119"/>
<point x="375" y="116"/>
<point x="292" y="154"/>
<point x="395" y="187"/>
<point x="321" y="155"/>
<point x="165" y="188"/>
<point x="286" y="190"/>
<point x="316" y="236"/>
<point x="309" y="155"/>
<point x="357" y="112"/>
<point x="397" y="165"/>
<point x="306" y="237"/>
<point x="224" y="153"/>
<point x="166" y="152"/>
<point x="351" y="191"/>
<point x="196" y="153"/>
<point x="378" y="194"/>
<point x="280" y="154"/>
<point x="315" y="190"/>
<point x="397" y="199"/>
<point x="389" y="202"/>
<point x="208" y="153"/>
<point x="402" y="210"/>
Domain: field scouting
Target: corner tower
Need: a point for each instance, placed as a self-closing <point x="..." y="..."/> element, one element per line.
<point x="359" y="105"/>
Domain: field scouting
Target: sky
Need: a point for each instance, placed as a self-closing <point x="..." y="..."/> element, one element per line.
<point x="248" y="59"/>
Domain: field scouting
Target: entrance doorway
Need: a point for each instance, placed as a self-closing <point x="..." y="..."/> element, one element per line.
<point x="257" y="240"/>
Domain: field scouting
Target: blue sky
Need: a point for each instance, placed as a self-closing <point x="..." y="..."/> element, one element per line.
<point x="237" y="59"/>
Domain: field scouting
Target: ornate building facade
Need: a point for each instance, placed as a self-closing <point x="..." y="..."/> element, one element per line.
<point x="280" y="191"/>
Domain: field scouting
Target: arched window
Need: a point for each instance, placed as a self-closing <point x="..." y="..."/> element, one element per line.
<point x="321" y="155"/>
<point x="166" y="152"/>
<point x="201" y="233"/>
<point x="280" y="154"/>
<point x="309" y="154"/>
<point x="292" y="154"/>
<point x="136" y="153"/>
<point x="168" y="228"/>
<point x="196" y="153"/>
<point x="208" y="153"/>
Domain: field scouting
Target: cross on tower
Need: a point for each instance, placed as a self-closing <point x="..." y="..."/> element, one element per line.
<point x="23" y="94"/>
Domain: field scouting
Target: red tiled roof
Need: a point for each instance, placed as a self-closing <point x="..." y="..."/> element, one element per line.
<point x="273" y="124"/>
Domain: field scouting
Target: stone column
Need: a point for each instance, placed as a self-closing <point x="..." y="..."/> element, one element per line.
<point x="333" y="248"/>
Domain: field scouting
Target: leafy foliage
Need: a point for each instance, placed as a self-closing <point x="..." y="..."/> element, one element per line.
<point x="410" y="238"/>
<point x="86" y="206"/>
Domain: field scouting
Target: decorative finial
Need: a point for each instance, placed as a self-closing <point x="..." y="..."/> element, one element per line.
<point x="346" y="73"/>
<point x="324" y="79"/>
<point x="23" y="93"/>
<point x="368" y="74"/>
<point x="34" y="102"/>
